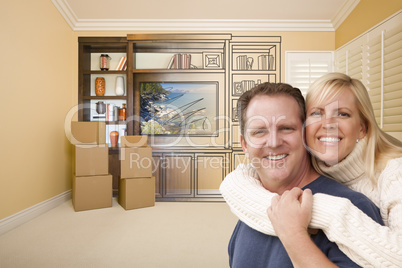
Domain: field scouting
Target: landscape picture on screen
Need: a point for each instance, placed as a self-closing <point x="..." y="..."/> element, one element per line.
<point x="179" y="108"/>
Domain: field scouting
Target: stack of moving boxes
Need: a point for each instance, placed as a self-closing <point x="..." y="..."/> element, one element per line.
<point x="92" y="183"/>
<point x="136" y="185"/>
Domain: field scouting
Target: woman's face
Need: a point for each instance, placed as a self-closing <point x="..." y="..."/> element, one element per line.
<point x="333" y="127"/>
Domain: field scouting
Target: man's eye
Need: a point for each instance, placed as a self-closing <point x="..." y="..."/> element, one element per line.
<point x="259" y="132"/>
<point x="287" y="129"/>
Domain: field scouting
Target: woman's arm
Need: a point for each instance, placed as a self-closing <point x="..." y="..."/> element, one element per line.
<point x="247" y="198"/>
<point x="363" y="240"/>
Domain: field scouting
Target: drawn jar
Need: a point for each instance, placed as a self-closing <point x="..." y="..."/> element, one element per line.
<point x="114" y="138"/>
<point x="123" y="113"/>
<point x="100" y="86"/>
<point x="100" y="107"/>
<point x="119" y="86"/>
<point x="104" y="62"/>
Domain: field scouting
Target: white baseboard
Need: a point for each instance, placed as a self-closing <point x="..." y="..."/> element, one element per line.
<point x="30" y="213"/>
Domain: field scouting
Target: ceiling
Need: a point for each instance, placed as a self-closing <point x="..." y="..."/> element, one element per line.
<point x="258" y="15"/>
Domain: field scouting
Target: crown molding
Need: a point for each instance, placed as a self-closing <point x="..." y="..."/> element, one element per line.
<point x="344" y="12"/>
<point x="66" y="11"/>
<point x="201" y="25"/>
<point x="188" y="24"/>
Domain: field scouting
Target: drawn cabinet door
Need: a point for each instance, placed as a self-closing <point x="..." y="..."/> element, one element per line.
<point x="178" y="175"/>
<point x="210" y="170"/>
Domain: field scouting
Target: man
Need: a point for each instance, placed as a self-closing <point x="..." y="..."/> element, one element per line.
<point x="271" y="118"/>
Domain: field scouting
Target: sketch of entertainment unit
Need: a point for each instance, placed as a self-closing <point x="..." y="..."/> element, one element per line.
<point x="181" y="91"/>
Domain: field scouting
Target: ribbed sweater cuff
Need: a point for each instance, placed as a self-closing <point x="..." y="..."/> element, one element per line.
<point x="353" y="231"/>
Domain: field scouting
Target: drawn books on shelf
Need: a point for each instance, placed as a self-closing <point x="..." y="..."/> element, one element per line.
<point x="180" y="61"/>
<point x="122" y="65"/>
<point x="266" y="62"/>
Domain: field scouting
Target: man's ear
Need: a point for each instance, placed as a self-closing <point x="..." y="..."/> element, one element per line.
<point x="243" y="144"/>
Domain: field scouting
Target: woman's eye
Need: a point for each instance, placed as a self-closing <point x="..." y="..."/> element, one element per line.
<point x="343" y="115"/>
<point x="315" y="113"/>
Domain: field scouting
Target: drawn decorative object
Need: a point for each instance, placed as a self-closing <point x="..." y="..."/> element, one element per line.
<point x="100" y="86"/>
<point x="114" y="138"/>
<point x="119" y="86"/>
<point x="104" y="62"/>
<point x="123" y="113"/>
<point x="100" y="107"/>
<point x="243" y="63"/>
<point x="212" y="60"/>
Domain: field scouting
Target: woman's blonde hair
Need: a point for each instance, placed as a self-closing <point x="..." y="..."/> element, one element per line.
<point x="381" y="147"/>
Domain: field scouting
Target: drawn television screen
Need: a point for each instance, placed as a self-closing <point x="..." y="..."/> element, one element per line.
<point x="179" y="108"/>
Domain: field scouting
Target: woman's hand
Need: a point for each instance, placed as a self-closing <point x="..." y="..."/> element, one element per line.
<point x="291" y="212"/>
<point x="290" y="215"/>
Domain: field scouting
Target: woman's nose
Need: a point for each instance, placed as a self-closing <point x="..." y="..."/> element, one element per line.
<point x="329" y="122"/>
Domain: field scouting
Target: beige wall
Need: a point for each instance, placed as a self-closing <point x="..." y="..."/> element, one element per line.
<point x="39" y="86"/>
<point x="366" y="15"/>
<point x="36" y="93"/>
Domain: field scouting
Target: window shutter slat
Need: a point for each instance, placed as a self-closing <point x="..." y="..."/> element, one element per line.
<point x="303" y="68"/>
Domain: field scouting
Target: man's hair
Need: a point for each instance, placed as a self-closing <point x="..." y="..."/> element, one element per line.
<point x="269" y="89"/>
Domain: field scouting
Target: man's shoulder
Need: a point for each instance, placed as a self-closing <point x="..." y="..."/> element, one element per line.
<point x="330" y="186"/>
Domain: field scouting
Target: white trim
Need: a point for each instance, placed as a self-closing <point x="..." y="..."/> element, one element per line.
<point x="30" y="213"/>
<point x="344" y="12"/>
<point x="382" y="80"/>
<point x="201" y="25"/>
<point x="66" y="11"/>
<point x="187" y="24"/>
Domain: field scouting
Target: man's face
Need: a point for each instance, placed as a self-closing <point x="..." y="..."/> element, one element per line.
<point x="273" y="141"/>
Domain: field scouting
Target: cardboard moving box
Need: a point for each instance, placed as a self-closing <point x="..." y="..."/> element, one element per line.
<point x="137" y="193"/>
<point x="88" y="132"/>
<point x="136" y="162"/>
<point x="91" y="160"/>
<point x="92" y="192"/>
<point x="133" y="141"/>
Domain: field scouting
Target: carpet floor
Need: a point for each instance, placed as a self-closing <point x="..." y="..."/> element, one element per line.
<point x="170" y="234"/>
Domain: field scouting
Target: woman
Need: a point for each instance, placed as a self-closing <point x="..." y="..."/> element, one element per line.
<point x="341" y="131"/>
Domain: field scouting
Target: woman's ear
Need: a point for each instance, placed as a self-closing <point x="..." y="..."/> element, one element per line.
<point x="363" y="130"/>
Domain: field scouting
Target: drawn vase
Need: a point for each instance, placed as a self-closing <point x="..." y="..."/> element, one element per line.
<point x="119" y="86"/>
<point x="114" y="138"/>
<point x="100" y="86"/>
<point x="100" y="107"/>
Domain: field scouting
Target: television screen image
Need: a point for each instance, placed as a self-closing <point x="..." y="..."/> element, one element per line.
<point x="179" y="108"/>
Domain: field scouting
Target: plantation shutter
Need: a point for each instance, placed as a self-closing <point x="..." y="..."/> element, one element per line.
<point x="341" y="61"/>
<point x="374" y="74"/>
<point x="380" y="70"/>
<point x="349" y="59"/>
<point x="384" y="73"/>
<point x="392" y="107"/>
<point x="303" y="68"/>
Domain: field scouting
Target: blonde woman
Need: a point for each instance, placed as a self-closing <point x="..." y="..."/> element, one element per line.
<point x="348" y="146"/>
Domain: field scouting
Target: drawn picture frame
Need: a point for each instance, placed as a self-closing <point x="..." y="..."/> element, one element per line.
<point x="212" y="60"/>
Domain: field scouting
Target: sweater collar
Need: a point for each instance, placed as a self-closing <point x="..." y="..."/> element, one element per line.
<point x="350" y="168"/>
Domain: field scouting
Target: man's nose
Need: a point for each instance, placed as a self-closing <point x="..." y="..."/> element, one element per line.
<point x="273" y="139"/>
